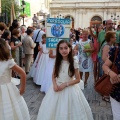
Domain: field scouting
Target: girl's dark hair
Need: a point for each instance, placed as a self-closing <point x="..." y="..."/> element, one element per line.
<point x="6" y="34"/>
<point x="59" y="59"/>
<point x="44" y="36"/>
<point x="4" y="50"/>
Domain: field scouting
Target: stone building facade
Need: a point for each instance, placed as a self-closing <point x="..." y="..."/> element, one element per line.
<point x="82" y="12"/>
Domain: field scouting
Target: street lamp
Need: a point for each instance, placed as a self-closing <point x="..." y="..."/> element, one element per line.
<point x="23" y="8"/>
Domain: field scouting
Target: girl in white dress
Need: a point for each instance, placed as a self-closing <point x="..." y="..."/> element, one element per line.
<point x="12" y="104"/>
<point x="47" y="82"/>
<point x="65" y="100"/>
<point x="41" y="62"/>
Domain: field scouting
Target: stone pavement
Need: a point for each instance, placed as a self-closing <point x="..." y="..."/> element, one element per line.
<point x="101" y="110"/>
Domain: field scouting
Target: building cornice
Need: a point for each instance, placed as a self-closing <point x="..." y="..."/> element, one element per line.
<point x="77" y="5"/>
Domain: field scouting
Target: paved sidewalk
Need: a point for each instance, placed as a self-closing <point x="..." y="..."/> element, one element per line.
<point x="101" y="109"/>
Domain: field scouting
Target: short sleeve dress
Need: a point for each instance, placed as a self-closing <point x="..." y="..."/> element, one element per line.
<point x="68" y="104"/>
<point x="85" y="61"/>
<point x="12" y="104"/>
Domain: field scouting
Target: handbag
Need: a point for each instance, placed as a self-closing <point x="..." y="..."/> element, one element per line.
<point x="103" y="85"/>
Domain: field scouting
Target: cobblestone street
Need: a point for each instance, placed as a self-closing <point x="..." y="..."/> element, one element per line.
<point x="101" y="110"/>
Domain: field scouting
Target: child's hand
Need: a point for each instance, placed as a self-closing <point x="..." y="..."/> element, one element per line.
<point x="55" y="87"/>
<point x="22" y="91"/>
<point x="62" y="86"/>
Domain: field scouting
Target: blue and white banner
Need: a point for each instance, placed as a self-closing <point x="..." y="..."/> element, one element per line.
<point x="57" y="29"/>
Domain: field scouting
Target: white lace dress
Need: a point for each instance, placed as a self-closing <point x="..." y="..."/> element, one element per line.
<point x="12" y="104"/>
<point x="68" y="104"/>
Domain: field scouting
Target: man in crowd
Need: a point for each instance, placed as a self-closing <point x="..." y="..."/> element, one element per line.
<point x="37" y="37"/>
<point x="101" y="41"/>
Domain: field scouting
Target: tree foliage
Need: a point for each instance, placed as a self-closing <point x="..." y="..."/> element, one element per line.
<point x="6" y="7"/>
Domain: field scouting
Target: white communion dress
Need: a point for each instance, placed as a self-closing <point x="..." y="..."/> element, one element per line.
<point x="47" y="82"/>
<point x="68" y="104"/>
<point x="41" y="67"/>
<point x="12" y="104"/>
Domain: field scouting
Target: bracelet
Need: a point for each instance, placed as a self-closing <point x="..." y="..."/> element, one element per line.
<point x="67" y="84"/>
<point x="108" y="71"/>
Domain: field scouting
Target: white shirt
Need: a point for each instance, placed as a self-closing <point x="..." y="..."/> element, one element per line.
<point x="39" y="38"/>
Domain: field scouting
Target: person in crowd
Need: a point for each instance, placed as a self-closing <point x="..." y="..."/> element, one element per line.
<point x="35" y="19"/>
<point x="118" y="30"/>
<point x="65" y="98"/>
<point x="37" y="37"/>
<point x="23" y="34"/>
<point x="94" y="35"/>
<point x="15" y="46"/>
<point x="115" y="79"/>
<point x="76" y="53"/>
<point x="72" y="31"/>
<point x="15" y="25"/>
<point x="74" y="39"/>
<point x="110" y="39"/>
<point x="41" y="62"/>
<point x="77" y="33"/>
<point x="28" y="47"/>
<point x="2" y="28"/>
<point x="101" y="40"/>
<point x="85" y="48"/>
<point x="12" y="103"/>
<point x="7" y="36"/>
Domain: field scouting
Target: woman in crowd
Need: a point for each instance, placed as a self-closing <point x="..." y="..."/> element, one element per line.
<point x="110" y="39"/>
<point x="85" y="48"/>
<point x="115" y="78"/>
<point x="15" y="46"/>
<point x="2" y="28"/>
<point x="94" y="34"/>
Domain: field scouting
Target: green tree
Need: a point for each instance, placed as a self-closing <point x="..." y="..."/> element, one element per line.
<point x="6" y="8"/>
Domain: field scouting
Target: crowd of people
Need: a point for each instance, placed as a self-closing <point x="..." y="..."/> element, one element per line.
<point x="57" y="71"/>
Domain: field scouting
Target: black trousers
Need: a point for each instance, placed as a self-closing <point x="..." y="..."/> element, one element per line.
<point x="36" y="50"/>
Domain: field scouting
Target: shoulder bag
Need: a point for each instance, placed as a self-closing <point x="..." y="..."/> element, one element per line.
<point x="103" y="85"/>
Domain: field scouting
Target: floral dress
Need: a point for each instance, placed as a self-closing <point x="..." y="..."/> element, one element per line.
<point x="85" y="60"/>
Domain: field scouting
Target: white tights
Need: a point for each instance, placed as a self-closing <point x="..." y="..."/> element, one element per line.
<point x="115" y="109"/>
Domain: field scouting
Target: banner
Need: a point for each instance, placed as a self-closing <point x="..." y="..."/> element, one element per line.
<point x="27" y="8"/>
<point x="56" y="30"/>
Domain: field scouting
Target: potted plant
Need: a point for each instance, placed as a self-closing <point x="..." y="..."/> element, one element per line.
<point x="23" y="15"/>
